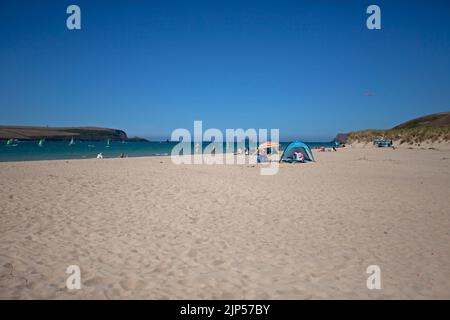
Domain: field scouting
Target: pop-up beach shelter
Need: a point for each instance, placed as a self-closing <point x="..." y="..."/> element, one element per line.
<point x="297" y="146"/>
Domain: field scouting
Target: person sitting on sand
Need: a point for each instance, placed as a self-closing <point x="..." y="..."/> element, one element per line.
<point x="100" y="155"/>
<point x="298" y="156"/>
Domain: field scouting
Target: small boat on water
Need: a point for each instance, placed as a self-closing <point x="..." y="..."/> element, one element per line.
<point x="72" y="142"/>
<point x="41" y="142"/>
<point x="10" y="143"/>
<point x="108" y="145"/>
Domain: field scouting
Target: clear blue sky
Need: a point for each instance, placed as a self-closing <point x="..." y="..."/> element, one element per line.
<point x="149" y="67"/>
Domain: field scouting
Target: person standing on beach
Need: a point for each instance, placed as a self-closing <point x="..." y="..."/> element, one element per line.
<point x="197" y="148"/>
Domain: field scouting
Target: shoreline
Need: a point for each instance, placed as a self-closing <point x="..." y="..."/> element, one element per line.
<point x="442" y="147"/>
<point x="83" y="159"/>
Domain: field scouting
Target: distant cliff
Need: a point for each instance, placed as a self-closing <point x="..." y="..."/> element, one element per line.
<point x="341" y="138"/>
<point x="64" y="133"/>
<point x="431" y="128"/>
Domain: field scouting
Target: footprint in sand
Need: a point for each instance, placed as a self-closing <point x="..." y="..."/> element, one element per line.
<point x="95" y="282"/>
<point x="132" y="284"/>
<point x="218" y="262"/>
<point x="192" y="253"/>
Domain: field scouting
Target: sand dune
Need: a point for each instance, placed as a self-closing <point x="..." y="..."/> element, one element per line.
<point x="145" y="228"/>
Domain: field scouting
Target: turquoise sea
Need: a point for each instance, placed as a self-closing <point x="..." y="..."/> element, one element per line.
<point x="51" y="150"/>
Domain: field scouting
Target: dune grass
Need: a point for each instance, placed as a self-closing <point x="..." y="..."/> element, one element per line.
<point x="406" y="135"/>
<point x="430" y="128"/>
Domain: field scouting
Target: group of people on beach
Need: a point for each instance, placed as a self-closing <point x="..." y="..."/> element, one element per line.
<point x="100" y="155"/>
<point x="245" y="151"/>
<point x="323" y="149"/>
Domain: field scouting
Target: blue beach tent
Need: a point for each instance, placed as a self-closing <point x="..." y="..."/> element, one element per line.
<point x="297" y="146"/>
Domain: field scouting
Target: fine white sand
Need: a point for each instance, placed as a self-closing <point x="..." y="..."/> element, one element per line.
<point x="146" y="228"/>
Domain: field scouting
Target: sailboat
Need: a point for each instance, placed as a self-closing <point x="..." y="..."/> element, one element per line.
<point x="9" y="143"/>
<point x="72" y="142"/>
<point x="41" y="142"/>
<point x="108" y="144"/>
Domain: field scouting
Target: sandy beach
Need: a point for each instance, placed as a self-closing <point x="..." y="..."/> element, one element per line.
<point x="144" y="228"/>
